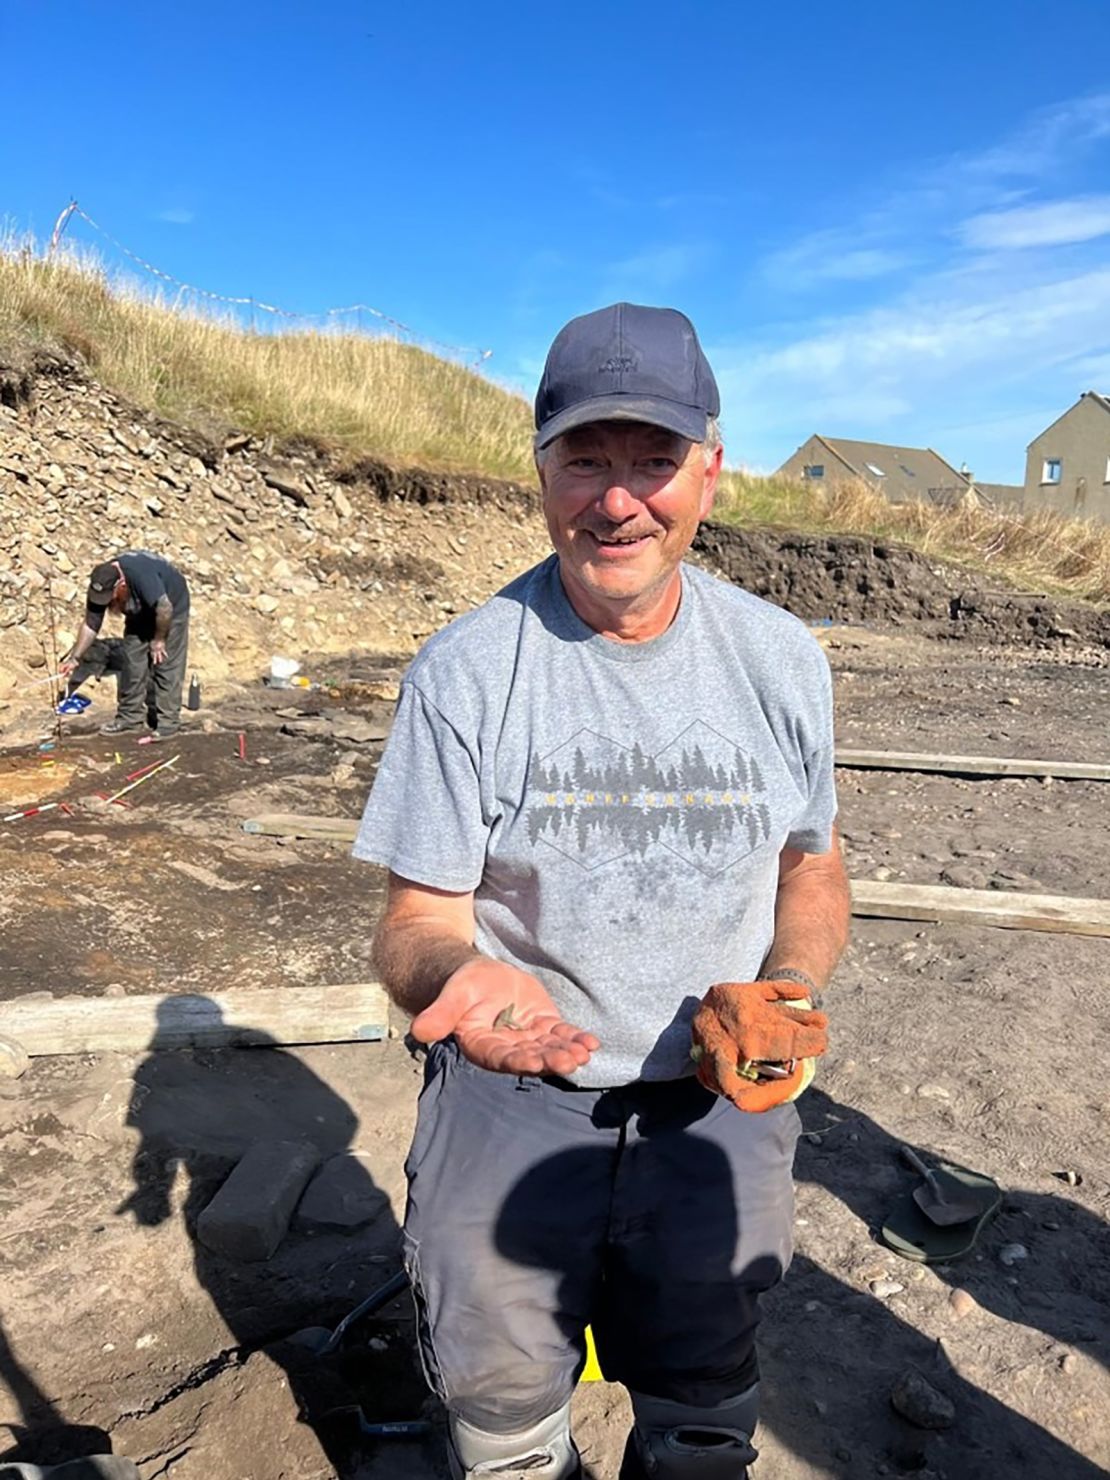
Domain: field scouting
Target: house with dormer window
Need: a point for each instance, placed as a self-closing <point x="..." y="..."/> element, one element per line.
<point x="902" y="474"/>
<point x="1067" y="468"/>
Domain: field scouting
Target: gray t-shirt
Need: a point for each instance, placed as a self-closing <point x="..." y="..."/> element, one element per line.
<point x="618" y="809"/>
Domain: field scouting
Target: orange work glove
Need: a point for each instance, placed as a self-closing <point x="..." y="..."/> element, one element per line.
<point x="739" y="1022"/>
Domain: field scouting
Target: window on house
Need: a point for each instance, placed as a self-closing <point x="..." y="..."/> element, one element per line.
<point x="909" y="472"/>
<point x="871" y="468"/>
<point x="817" y="470"/>
<point x="1052" y="469"/>
<point x="1106" y="478"/>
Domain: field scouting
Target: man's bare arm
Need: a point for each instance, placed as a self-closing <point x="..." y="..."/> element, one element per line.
<point x="813" y="908"/>
<point x="501" y="1017"/>
<point x="424" y="936"/>
<point x="85" y="639"/>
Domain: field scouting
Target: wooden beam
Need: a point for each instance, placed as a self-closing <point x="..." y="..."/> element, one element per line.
<point x="294" y="825"/>
<point x="971" y="765"/>
<point x="236" y="1018"/>
<point x="1002" y="908"/>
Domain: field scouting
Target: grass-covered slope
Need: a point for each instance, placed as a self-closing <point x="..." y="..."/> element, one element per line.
<point x="380" y="398"/>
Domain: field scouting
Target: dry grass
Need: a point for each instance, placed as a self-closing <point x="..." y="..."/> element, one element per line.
<point x="367" y="396"/>
<point x="378" y="397"/>
<point x="1041" y="551"/>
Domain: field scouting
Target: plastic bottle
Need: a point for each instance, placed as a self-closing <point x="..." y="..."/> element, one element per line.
<point x="193" y="701"/>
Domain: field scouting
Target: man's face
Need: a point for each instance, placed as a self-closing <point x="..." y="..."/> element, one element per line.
<point x="622" y="502"/>
<point x="118" y="603"/>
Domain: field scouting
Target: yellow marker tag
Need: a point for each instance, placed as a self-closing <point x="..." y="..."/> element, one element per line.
<point x="118" y="760"/>
<point x="592" y="1371"/>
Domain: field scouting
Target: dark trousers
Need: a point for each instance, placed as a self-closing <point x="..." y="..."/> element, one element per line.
<point x="658" y="1214"/>
<point x="166" y="678"/>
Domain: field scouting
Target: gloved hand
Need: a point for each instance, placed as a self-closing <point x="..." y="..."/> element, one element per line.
<point x="738" y="1022"/>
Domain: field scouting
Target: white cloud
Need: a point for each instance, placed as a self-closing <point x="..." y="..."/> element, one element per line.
<point x="896" y="372"/>
<point x="1051" y="136"/>
<point x="1053" y="223"/>
<point x="959" y="327"/>
<point x="177" y="216"/>
<point x="924" y="339"/>
<point x="655" y="269"/>
<point x="831" y="256"/>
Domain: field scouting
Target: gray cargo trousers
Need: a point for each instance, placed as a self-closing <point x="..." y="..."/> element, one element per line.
<point x="166" y="679"/>
<point x="656" y="1213"/>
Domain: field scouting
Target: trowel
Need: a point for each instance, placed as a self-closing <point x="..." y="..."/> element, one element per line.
<point x="943" y="1198"/>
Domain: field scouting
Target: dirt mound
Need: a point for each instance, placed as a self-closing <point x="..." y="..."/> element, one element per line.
<point x="847" y="578"/>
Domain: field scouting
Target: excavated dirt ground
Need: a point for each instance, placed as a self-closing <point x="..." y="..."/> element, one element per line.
<point x="989" y="1047"/>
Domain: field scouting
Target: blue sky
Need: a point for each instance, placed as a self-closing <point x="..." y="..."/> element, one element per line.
<point x="887" y="221"/>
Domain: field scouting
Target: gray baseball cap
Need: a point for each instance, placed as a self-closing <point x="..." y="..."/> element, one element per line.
<point x="627" y="363"/>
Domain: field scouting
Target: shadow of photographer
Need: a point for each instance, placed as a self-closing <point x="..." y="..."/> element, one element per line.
<point x="197" y="1111"/>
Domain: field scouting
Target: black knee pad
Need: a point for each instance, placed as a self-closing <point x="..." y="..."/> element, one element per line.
<point x="678" y="1441"/>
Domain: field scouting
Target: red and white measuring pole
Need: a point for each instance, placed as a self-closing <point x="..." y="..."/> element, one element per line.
<point x="30" y="812"/>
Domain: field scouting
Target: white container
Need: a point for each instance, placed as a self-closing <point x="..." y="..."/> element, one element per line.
<point x="281" y="671"/>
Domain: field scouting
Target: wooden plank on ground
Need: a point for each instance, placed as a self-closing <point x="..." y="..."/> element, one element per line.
<point x="1003" y="908"/>
<point x="971" y="765"/>
<point x="294" y="825"/>
<point x="236" y="1018"/>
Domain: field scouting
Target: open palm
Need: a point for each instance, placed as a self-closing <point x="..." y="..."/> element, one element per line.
<point x="503" y="1020"/>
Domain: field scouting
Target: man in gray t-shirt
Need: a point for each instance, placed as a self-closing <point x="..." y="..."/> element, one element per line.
<point x="607" y="809"/>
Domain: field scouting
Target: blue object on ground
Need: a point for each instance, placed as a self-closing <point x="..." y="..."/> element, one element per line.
<point x="75" y="704"/>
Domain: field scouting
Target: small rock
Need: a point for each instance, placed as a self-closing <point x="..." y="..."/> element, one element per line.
<point x="1073" y="1179"/>
<point x="961" y="1302"/>
<point x="1013" y="1253"/>
<point x="885" y="1288"/>
<point x="312" y="1338"/>
<point x="1051" y="1224"/>
<point x="342" y="1197"/>
<point x="1011" y="701"/>
<point x="266" y="604"/>
<point x="14" y="1059"/>
<point x="1068" y="1363"/>
<point x="933" y="1092"/>
<point x="918" y="1401"/>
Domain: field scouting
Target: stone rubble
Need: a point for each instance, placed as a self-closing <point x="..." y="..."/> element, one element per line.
<point x="285" y="552"/>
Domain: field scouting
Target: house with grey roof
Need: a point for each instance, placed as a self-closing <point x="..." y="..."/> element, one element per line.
<point x="1067" y="468"/>
<point x="902" y="474"/>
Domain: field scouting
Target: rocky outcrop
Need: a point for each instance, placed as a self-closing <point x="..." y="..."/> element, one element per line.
<point x="286" y="551"/>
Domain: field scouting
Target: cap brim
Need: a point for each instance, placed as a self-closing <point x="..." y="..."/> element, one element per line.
<point x="673" y="416"/>
<point x="98" y="598"/>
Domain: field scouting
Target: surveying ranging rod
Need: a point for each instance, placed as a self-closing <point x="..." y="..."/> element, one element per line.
<point x="30" y="812"/>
